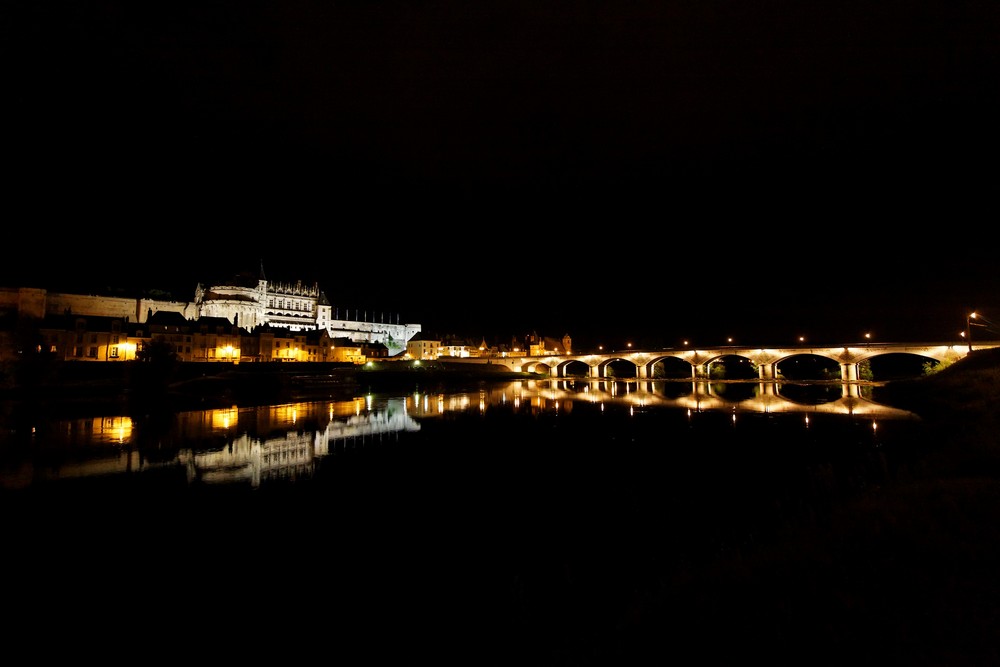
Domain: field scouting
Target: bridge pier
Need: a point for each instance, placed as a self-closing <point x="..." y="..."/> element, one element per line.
<point x="766" y="371"/>
<point x="849" y="372"/>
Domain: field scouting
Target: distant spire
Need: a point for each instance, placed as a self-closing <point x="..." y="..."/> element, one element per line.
<point x="262" y="276"/>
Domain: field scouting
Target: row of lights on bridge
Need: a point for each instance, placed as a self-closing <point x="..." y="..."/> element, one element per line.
<point x="729" y="340"/>
<point x="973" y="319"/>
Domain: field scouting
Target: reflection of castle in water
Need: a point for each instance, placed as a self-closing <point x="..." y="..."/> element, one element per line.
<point x="259" y="444"/>
<point x="290" y="452"/>
<point x="253" y="445"/>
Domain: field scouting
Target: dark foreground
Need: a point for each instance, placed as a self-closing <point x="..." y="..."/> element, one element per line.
<point x="451" y="554"/>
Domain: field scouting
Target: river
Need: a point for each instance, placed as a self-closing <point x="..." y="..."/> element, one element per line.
<point x="528" y="522"/>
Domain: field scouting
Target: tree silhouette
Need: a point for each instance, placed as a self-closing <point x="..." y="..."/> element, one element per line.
<point x="155" y="367"/>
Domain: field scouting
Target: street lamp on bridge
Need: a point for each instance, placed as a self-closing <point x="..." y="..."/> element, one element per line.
<point x="968" y="328"/>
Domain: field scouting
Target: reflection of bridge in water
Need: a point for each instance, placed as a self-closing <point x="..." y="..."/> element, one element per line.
<point x="258" y="444"/>
<point x="706" y="396"/>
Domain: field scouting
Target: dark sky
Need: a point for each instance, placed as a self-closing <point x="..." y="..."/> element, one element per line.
<point x="644" y="170"/>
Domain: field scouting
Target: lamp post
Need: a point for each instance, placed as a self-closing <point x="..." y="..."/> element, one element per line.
<point x="968" y="328"/>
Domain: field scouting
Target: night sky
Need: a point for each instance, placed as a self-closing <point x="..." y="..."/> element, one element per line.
<point x="644" y="171"/>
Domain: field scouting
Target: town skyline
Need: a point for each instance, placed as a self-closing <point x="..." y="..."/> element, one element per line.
<point x="867" y="318"/>
<point x="644" y="170"/>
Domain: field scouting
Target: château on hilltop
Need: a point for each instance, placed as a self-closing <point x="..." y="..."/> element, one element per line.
<point x="293" y="316"/>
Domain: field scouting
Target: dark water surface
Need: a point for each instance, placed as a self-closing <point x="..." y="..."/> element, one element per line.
<point x="525" y="523"/>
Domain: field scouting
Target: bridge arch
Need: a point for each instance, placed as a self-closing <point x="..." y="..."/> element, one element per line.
<point x="808" y="366"/>
<point x="670" y="367"/>
<point x="575" y="368"/>
<point x="539" y="367"/>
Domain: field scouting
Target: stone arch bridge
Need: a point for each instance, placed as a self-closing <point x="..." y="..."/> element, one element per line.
<point x="766" y="359"/>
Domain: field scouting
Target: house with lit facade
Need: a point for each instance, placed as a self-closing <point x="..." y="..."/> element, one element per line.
<point x="422" y="347"/>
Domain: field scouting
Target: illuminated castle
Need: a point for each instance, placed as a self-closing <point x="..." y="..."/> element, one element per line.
<point x="296" y="307"/>
<point x="244" y="303"/>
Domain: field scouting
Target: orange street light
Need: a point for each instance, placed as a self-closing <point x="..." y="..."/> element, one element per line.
<point x="968" y="328"/>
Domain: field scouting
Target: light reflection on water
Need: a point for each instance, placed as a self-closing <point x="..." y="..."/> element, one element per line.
<point x="259" y="444"/>
<point x="506" y="518"/>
